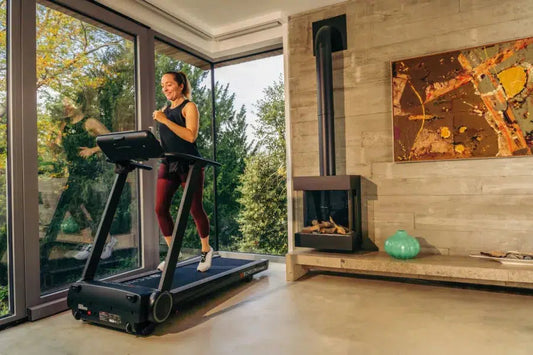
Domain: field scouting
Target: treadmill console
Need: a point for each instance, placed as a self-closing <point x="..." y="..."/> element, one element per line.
<point x="129" y="145"/>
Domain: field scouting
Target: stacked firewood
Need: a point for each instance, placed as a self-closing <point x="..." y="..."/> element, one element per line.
<point x="325" y="227"/>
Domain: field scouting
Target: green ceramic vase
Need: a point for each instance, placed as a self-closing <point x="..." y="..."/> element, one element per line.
<point x="69" y="226"/>
<point x="402" y="246"/>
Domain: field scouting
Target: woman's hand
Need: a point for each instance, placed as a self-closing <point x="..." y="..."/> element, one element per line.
<point x="86" y="152"/>
<point x="159" y="117"/>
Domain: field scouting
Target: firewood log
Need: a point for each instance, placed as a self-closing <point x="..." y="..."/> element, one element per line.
<point x="311" y="229"/>
<point x="340" y="229"/>
<point x="325" y="224"/>
<point x="328" y="230"/>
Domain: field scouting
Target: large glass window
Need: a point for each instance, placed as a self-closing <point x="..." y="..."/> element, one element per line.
<point x="4" y="250"/>
<point x="85" y="87"/>
<point x="169" y="58"/>
<point x="250" y="116"/>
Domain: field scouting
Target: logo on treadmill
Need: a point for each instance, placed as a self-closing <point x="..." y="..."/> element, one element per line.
<point x="155" y="276"/>
<point x="255" y="270"/>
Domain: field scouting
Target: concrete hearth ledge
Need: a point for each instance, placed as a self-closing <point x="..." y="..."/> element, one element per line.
<point x="463" y="269"/>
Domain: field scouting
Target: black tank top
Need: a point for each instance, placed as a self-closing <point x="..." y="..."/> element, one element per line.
<point x="171" y="142"/>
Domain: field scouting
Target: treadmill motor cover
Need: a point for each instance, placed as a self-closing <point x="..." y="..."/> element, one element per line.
<point x="111" y="304"/>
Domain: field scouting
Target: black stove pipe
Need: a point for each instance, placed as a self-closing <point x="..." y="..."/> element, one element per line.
<point x="326" y="117"/>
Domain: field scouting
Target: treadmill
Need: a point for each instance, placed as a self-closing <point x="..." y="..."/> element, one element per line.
<point x="137" y="304"/>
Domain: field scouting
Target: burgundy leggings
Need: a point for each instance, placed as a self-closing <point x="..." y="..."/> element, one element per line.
<point x="167" y="185"/>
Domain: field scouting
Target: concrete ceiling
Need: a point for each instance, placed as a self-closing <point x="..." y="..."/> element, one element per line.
<point x="215" y="17"/>
<point x="218" y="29"/>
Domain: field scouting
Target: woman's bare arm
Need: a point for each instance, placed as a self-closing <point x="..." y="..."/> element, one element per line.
<point x="190" y="131"/>
<point x="94" y="128"/>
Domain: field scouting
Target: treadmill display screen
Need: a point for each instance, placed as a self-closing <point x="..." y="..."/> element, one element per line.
<point x="130" y="145"/>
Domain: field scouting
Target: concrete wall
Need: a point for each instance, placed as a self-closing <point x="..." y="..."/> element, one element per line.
<point x="455" y="207"/>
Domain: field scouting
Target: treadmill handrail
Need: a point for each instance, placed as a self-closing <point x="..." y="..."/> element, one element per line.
<point x="193" y="158"/>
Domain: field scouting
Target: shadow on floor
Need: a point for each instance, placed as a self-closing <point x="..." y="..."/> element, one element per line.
<point x="199" y="311"/>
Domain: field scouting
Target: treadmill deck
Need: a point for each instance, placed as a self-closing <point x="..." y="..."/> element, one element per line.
<point x="186" y="274"/>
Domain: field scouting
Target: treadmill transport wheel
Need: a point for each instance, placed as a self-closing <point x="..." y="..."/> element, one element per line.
<point x="160" y="306"/>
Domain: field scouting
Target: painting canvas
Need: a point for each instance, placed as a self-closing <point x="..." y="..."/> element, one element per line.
<point x="472" y="103"/>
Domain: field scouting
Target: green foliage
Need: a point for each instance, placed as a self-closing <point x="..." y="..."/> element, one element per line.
<point x="3" y="250"/>
<point x="4" y="291"/>
<point x="3" y="239"/>
<point x="3" y="130"/>
<point x="69" y="51"/>
<point x="3" y="142"/>
<point x="3" y="81"/>
<point x="232" y="151"/>
<point x="271" y="126"/>
<point x="3" y="202"/>
<point x="4" y="300"/>
<point x="116" y="95"/>
<point x="263" y="214"/>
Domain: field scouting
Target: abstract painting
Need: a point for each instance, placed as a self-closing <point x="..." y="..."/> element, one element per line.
<point x="472" y="103"/>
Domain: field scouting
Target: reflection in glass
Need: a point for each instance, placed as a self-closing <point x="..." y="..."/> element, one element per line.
<point x="85" y="83"/>
<point x="4" y="250"/>
<point x="169" y="58"/>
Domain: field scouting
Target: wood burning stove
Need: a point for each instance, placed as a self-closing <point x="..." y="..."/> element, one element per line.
<point x="335" y="212"/>
<point x="335" y="208"/>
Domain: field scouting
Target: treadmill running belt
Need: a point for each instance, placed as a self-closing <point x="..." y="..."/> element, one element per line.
<point x="188" y="274"/>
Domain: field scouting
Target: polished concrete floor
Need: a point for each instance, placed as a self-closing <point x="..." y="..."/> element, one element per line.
<point x="321" y="314"/>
